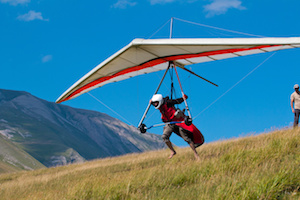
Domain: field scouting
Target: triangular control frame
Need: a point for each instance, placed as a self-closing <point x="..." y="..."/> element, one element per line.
<point x="142" y="127"/>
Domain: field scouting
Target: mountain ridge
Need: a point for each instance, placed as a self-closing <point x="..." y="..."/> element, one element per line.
<point x="58" y="134"/>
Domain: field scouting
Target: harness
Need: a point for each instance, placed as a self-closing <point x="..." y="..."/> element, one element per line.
<point x="168" y="114"/>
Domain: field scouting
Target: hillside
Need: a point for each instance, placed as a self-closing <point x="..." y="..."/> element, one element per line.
<point x="13" y="159"/>
<point x="57" y="135"/>
<point x="264" y="166"/>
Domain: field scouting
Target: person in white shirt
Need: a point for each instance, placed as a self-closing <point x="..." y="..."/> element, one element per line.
<point x="295" y="104"/>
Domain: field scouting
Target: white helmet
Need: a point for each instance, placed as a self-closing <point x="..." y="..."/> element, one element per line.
<point x="157" y="98"/>
<point x="296" y="86"/>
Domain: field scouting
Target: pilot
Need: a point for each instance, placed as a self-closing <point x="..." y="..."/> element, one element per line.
<point x="170" y="114"/>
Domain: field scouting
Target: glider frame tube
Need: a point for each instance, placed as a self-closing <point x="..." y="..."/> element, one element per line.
<point x="149" y="104"/>
<point x="162" y="124"/>
<point x="142" y="126"/>
<point x="185" y="102"/>
<point x="198" y="76"/>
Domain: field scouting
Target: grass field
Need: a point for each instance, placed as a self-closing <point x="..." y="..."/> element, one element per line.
<point x="265" y="166"/>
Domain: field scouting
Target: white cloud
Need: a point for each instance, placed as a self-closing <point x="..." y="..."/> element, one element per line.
<point x="218" y="7"/>
<point x="47" y="58"/>
<point x="15" y="2"/>
<point x="161" y="1"/>
<point x="31" y="15"/>
<point x="123" y="4"/>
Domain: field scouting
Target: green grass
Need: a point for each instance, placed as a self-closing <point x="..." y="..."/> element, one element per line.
<point x="266" y="166"/>
<point x="13" y="158"/>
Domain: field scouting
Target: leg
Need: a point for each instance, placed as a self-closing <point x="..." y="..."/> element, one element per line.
<point x="192" y="145"/>
<point x="296" y="118"/>
<point x="169" y="144"/>
<point x="166" y="138"/>
<point x="188" y="137"/>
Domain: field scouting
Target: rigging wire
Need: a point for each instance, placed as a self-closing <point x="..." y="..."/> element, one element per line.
<point x="203" y="25"/>
<point x="109" y="108"/>
<point x="159" y="29"/>
<point x="234" y="85"/>
<point x="172" y="84"/>
<point x="213" y="27"/>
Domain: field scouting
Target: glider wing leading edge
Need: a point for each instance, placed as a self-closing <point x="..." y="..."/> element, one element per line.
<point x="144" y="56"/>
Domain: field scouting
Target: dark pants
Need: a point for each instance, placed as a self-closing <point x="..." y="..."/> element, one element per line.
<point x="170" y="128"/>
<point x="296" y="119"/>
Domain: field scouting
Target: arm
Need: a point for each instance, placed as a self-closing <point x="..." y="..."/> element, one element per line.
<point x="172" y="102"/>
<point x="292" y="103"/>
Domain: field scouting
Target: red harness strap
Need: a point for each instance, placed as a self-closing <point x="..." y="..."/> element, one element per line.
<point x="167" y="115"/>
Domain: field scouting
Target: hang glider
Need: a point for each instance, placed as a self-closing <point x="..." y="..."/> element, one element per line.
<point x="144" y="56"/>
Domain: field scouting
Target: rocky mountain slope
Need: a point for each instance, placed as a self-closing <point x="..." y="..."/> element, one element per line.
<point x="56" y="134"/>
<point x="13" y="158"/>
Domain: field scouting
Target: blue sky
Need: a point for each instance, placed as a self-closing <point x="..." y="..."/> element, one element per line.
<point x="45" y="46"/>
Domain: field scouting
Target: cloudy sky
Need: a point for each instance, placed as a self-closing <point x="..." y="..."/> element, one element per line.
<point x="48" y="45"/>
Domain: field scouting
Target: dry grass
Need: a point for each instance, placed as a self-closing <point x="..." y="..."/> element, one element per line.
<point x="256" y="167"/>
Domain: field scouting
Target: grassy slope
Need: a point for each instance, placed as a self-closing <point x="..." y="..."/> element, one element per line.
<point x="257" y="167"/>
<point x="47" y="139"/>
<point x="13" y="158"/>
